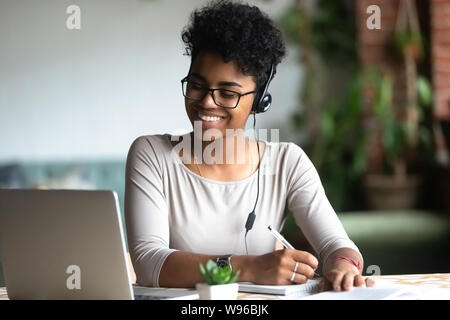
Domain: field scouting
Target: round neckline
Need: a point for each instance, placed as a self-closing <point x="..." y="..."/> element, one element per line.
<point x="252" y="176"/>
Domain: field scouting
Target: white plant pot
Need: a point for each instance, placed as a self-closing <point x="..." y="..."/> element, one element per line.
<point x="217" y="292"/>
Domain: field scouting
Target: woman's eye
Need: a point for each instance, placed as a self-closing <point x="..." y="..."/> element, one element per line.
<point x="227" y="94"/>
<point x="195" y="86"/>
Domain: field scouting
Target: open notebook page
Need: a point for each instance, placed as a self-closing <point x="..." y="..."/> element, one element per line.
<point x="308" y="288"/>
<point x="369" y="293"/>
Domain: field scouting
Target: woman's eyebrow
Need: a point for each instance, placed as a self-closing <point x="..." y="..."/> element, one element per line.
<point x="229" y="84"/>
<point x="222" y="83"/>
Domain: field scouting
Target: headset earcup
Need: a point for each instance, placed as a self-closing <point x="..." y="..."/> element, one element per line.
<point x="263" y="100"/>
<point x="265" y="103"/>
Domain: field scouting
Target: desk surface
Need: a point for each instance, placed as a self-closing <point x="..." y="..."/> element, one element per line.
<point x="426" y="281"/>
<point x="421" y="281"/>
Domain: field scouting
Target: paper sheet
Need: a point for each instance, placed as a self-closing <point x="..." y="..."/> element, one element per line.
<point x="310" y="287"/>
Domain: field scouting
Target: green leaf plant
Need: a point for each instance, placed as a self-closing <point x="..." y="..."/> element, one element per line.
<point x="214" y="275"/>
<point x="398" y="135"/>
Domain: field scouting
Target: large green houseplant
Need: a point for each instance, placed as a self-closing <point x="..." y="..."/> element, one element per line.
<point x="337" y="122"/>
<point x="329" y="113"/>
<point x="400" y="126"/>
<point x="395" y="187"/>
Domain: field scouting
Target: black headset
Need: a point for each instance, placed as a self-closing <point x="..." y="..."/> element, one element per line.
<point x="261" y="104"/>
<point x="263" y="100"/>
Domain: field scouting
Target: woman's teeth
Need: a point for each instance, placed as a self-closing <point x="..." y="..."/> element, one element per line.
<point x="206" y="118"/>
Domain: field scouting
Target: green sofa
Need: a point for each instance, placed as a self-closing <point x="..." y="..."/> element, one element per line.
<point x="398" y="242"/>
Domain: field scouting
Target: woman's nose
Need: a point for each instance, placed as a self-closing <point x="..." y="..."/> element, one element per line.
<point x="208" y="101"/>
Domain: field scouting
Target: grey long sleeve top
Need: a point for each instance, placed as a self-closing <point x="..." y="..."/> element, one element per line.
<point x="168" y="207"/>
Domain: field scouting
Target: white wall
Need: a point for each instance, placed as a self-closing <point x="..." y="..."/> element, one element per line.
<point x="87" y="94"/>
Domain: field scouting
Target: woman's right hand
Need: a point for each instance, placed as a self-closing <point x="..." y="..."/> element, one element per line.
<point x="277" y="267"/>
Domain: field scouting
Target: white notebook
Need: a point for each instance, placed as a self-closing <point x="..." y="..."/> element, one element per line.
<point x="369" y="293"/>
<point x="381" y="291"/>
<point x="308" y="288"/>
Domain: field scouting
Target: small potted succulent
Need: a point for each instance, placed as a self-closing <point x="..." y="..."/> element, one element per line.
<point x="220" y="283"/>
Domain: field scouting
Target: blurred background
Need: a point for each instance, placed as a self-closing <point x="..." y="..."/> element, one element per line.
<point x="368" y="100"/>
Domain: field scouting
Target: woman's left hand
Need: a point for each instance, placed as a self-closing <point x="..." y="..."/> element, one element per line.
<point x="343" y="276"/>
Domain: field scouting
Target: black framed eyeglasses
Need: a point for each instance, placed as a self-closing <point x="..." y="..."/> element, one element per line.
<point x="222" y="97"/>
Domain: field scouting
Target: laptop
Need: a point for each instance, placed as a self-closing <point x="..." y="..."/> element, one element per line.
<point x="68" y="244"/>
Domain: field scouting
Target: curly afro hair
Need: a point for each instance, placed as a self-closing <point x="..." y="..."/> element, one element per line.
<point x="238" y="32"/>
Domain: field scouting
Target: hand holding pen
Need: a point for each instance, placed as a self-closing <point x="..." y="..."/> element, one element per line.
<point x="286" y="244"/>
<point x="281" y="267"/>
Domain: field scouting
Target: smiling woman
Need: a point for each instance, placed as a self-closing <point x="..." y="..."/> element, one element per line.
<point x="181" y="212"/>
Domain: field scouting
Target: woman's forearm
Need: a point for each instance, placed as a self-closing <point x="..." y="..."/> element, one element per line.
<point x="181" y="269"/>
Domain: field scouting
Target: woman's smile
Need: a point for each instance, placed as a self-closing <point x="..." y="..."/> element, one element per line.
<point x="209" y="120"/>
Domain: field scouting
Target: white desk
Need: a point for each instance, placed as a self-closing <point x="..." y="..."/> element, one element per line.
<point x="420" y="281"/>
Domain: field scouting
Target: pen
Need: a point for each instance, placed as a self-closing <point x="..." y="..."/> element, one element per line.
<point x="285" y="243"/>
<point x="277" y="235"/>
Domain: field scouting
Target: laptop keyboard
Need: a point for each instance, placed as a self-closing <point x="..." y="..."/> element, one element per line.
<point x="150" y="297"/>
<point x="145" y="293"/>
